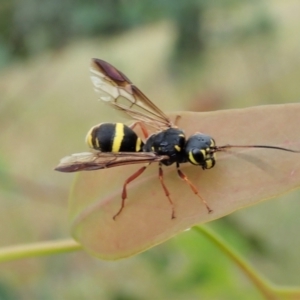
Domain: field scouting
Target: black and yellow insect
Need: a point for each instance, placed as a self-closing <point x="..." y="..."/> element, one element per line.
<point x="117" y="144"/>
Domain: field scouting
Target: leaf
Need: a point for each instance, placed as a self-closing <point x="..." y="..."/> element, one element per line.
<point x="241" y="177"/>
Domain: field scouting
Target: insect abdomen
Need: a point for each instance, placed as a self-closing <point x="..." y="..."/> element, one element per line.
<point x="113" y="137"/>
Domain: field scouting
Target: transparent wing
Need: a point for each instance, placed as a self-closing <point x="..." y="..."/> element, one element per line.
<point x="114" y="88"/>
<point x="88" y="161"/>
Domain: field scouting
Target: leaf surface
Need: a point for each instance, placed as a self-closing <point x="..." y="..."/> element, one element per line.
<point x="241" y="177"/>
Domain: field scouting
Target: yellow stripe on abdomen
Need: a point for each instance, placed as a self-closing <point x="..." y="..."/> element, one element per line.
<point x="138" y="145"/>
<point x="118" y="138"/>
<point x="89" y="138"/>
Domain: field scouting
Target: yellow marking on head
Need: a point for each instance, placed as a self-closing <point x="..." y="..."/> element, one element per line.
<point x="152" y="148"/>
<point x="89" y="137"/>
<point x="177" y="148"/>
<point x="203" y="153"/>
<point x="181" y="134"/>
<point x="192" y="159"/>
<point x="212" y="143"/>
<point x="209" y="163"/>
<point x="138" y="145"/>
<point x="118" y="138"/>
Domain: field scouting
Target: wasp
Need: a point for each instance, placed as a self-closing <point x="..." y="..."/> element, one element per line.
<point x="116" y="144"/>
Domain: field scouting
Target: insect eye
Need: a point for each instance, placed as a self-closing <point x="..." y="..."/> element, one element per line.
<point x="196" y="156"/>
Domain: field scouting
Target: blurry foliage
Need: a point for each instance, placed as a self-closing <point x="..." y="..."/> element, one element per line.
<point x="7" y="292"/>
<point x="31" y="26"/>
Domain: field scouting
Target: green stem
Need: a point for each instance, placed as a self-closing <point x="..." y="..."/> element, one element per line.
<point x="288" y="293"/>
<point x="261" y="283"/>
<point x="38" y="249"/>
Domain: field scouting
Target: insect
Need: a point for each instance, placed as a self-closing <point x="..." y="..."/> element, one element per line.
<point x="117" y="144"/>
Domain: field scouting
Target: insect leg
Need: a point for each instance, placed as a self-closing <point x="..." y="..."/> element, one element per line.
<point x="161" y="178"/>
<point x="142" y="126"/>
<point x="194" y="189"/>
<point x="177" y="119"/>
<point x="127" y="181"/>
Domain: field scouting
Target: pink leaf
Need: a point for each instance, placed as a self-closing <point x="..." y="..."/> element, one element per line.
<point x="241" y="177"/>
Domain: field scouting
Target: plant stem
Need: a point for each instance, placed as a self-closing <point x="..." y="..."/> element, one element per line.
<point x="38" y="249"/>
<point x="261" y="283"/>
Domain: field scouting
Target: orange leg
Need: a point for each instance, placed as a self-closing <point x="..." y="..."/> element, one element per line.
<point x="142" y="126"/>
<point x="161" y="178"/>
<point x="177" y="119"/>
<point x="124" y="192"/>
<point x="194" y="189"/>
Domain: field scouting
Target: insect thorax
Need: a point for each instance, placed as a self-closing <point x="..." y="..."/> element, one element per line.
<point x="169" y="142"/>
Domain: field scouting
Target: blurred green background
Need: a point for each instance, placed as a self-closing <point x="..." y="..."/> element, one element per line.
<point x="185" y="55"/>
